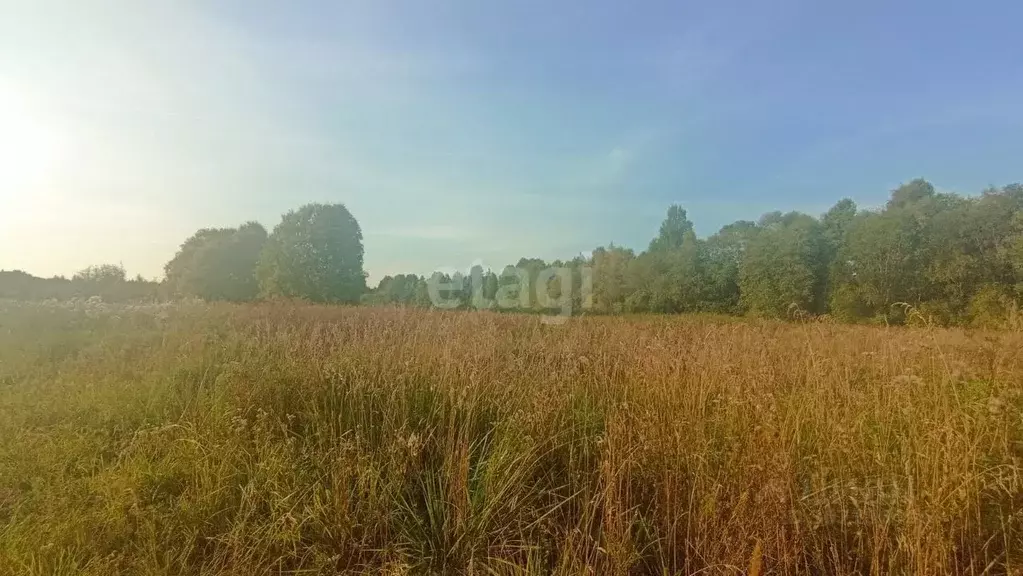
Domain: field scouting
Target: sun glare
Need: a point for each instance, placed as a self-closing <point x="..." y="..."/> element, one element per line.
<point x="29" y="148"/>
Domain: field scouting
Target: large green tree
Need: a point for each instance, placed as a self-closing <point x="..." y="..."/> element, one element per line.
<point x="610" y="274"/>
<point x="669" y="276"/>
<point x="881" y="264"/>
<point x="674" y="230"/>
<point x="784" y="266"/>
<point x="315" y="253"/>
<point x="724" y="252"/>
<point x="218" y="263"/>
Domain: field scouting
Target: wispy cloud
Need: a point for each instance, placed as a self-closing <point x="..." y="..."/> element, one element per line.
<point x="618" y="161"/>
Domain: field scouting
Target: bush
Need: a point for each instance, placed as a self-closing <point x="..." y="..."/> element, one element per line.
<point x="989" y="307"/>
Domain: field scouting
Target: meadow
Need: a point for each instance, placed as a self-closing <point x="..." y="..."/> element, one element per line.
<point x="297" y="439"/>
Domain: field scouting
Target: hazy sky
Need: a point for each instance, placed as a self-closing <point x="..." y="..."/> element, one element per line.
<point x="483" y="129"/>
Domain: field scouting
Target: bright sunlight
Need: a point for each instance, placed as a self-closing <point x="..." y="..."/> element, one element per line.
<point x="29" y="148"/>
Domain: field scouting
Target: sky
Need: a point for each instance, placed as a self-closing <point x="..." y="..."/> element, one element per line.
<point x="467" y="131"/>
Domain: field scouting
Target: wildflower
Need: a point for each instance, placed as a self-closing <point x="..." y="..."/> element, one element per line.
<point x="995" y="405"/>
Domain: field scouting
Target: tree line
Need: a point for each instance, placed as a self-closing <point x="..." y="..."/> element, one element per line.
<point x="948" y="258"/>
<point x="109" y="282"/>
<point x="953" y="259"/>
<point x="315" y="253"/>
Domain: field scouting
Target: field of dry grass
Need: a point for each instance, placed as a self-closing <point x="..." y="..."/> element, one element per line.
<point x="278" y="439"/>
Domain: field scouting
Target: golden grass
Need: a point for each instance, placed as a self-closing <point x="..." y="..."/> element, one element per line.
<point x="287" y="439"/>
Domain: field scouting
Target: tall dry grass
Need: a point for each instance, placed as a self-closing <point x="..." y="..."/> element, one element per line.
<point x="309" y="440"/>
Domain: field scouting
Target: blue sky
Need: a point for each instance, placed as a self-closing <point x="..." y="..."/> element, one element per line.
<point x="468" y="131"/>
